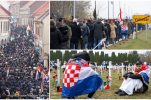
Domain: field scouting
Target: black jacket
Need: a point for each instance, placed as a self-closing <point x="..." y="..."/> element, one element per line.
<point x="107" y="29"/>
<point x="91" y="27"/>
<point x="76" y="32"/>
<point x="64" y="32"/>
<point x="98" y="30"/>
<point x="56" y="38"/>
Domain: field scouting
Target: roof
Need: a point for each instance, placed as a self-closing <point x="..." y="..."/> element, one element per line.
<point x="25" y="6"/>
<point x="42" y="9"/>
<point x="33" y="7"/>
<point x="4" y="12"/>
<point x="43" y="16"/>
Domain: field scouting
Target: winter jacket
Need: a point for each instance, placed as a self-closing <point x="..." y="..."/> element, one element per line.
<point x="56" y="38"/>
<point x="91" y="27"/>
<point x="98" y="30"/>
<point x="76" y="32"/>
<point x="64" y="31"/>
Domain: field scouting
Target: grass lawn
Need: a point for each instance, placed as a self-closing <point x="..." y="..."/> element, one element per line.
<point x="140" y="43"/>
<point x="105" y="94"/>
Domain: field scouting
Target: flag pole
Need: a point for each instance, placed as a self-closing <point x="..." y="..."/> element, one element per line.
<point x="108" y="9"/>
<point x="74" y="8"/>
<point x="113" y="9"/>
<point x="119" y="9"/>
<point x="95" y="9"/>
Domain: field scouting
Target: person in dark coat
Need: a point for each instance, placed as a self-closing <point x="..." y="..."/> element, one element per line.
<point x="56" y="37"/>
<point x="130" y="28"/>
<point x="90" y="37"/>
<point x="85" y="34"/>
<point x="66" y="33"/>
<point x="107" y="29"/>
<point x="76" y="34"/>
<point x="117" y="30"/>
<point x="98" y="33"/>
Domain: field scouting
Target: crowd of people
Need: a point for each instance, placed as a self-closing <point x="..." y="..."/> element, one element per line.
<point x="18" y="61"/>
<point x="89" y="34"/>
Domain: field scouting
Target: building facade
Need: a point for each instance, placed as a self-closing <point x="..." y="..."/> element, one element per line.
<point x="23" y="10"/>
<point x="4" y="25"/>
<point x="41" y="29"/>
<point x="35" y="14"/>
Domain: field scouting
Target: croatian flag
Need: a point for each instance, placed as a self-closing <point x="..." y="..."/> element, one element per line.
<point x="79" y="79"/>
<point x="124" y="27"/>
<point x="38" y="72"/>
<point x="46" y="78"/>
<point x="145" y="73"/>
<point x="120" y="14"/>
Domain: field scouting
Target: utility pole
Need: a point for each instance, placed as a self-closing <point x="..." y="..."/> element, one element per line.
<point x="113" y="9"/>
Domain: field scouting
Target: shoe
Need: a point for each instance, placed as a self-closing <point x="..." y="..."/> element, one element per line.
<point x="90" y="98"/>
<point x="118" y="91"/>
<point x="71" y="97"/>
<point x="122" y="93"/>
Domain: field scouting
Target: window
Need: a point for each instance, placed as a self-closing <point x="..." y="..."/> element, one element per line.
<point x="7" y="26"/>
<point x="1" y="27"/>
<point x="4" y="26"/>
<point x="4" y="30"/>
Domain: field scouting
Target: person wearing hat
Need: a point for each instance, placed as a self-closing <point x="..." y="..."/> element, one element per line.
<point x="79" y="77"/>
<point x="136" y="81"/>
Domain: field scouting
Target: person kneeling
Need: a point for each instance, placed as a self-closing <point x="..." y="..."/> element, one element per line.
<point x="135" y="82"/>
<point x="80" y="78"/>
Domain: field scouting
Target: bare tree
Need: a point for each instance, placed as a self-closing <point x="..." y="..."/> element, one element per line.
<point x="146" y="57"/>
<point x="65" y="8"/>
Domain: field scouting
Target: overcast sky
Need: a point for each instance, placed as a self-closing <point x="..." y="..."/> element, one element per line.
<point x="129" y="7"/>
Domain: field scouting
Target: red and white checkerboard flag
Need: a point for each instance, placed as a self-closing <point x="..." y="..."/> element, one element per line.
<point x="124" y="27"/>
<point x="71" y="75"/>
<point x="79" y="79"/>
